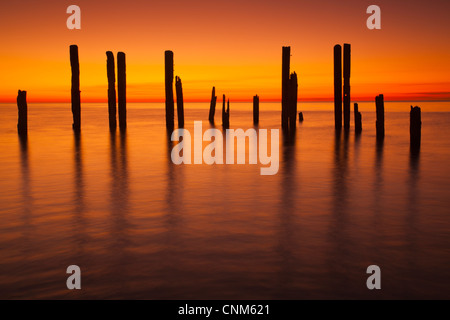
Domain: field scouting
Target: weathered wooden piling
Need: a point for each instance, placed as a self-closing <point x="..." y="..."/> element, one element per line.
<point x="358" y="119"/>
<point x="285" y="80"/>
<point x="212" y="107"/>
<point x="75" y="92"/>
<point x="122" y="89"/>
<point x="228" y="114"/>
<point x="347" y="59"/>
<point x="293" y="95"/>
<point x="168" y="55"/>
<point x="300" y="116"/>
<point x="22" y="124"/>
<point x="337" y="87"/>
<point x="415" y="127"/>
<point x="379" y="102"/>
<point x="223" y="108"/>
<point x="225" y="113"/>
<point x="180" y="104"/>
<point x="255" y="110"/>
<point x="111" y="74"/>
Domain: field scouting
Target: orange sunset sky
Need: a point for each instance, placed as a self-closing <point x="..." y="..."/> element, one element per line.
<point x="232" y="45"/>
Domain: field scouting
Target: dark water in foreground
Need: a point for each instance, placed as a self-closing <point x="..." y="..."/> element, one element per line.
<point x="141" y="227"/>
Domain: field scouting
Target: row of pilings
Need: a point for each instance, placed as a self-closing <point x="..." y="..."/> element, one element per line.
<point x="341" y="71"/>
<point x="289" y="97"/>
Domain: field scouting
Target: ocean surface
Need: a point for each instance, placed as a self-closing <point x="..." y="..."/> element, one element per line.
<point x="141" y="227"/>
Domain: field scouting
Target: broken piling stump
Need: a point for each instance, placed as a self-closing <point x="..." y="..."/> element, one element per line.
<point x="255" y="110"/>
<point x="415" y="127"/>
<point x="225" y="113"/>
<point x="293" y="95"/>
<point x="212" y="107"/>
<point x="300" y="116"/>
<point x="122" y="89"/>
<point x="379" y="102"/>
<point x="337" y="87"/>
<point x="75" y="91"/>
<point x="358" y="119"/>
<point x="22" y="124"/>
<point x="223" y="109"/>
<point x="347" y="61"/>
<point x="180" y="105"/>
<point x="111" y="74"/>
<point x="228" y="114"/>
<point x="168" y="60"/>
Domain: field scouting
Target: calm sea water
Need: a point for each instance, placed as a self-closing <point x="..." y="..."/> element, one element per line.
<point x="141" y="227"/>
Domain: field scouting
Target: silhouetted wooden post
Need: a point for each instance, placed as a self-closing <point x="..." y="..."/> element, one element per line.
<point x="227" y="118"/>
<point x="255" y="110"/>
<point x="225" y="113"/>
<point x="180" y="106"/>
<point x="358" y="119"/>
<point x="300" y="116"/>
<point x="122" y="89"/>
<point x="415" y="127"/>
<point x="379" y="101"/>
<point x="286" y="60"/>
<point x="337" y="87"/>
<point x="169" y="89"/>
<point x="293" y="94"/>
<point x="110" y="66"/>
<point x="76" y="104"/>
<point x="212" y="107"/>
<point x="347" y="60"/>
<point x="223" y="109"/>
<point x="22" y="124"/>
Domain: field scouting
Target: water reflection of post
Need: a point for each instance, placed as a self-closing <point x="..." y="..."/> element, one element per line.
<point x="338" y="236"/>
<point x="378" y="187"/>
<point x="286" y="246"/>
<point x="119" y="174"/>
<point x="120" y="207"/>
<point x="78" y="198"/>
<point x="23" y="140"/>
<point x="26" y="194"/>
<point x="171" y="194"/>
<point x="378" y="167"/>
<point x="412" y="211"/>
<point x="174" y="188"/>
<point x="357" y="144"/>
<point x="172" y="242"/>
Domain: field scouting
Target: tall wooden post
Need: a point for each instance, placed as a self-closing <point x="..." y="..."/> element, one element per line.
<point x="286" y="60"/>
<point x="347" y="59"/>
<point x="255" y="110"/>
<point x="111" y="74"/>
<point x="180" y="106"/>
<point x="415" y="127"/>
<point x="122" y="89"/>
<point x="75" y="92"/>
<point x="22" y="124"/>
<point x="379" y="102"/>
<point x="337" y="87"/>
<point x="212" y="107"/>
<point x="358" y="119"/>
<point x="293" y="94"/>
<point x="169" y="89"/>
